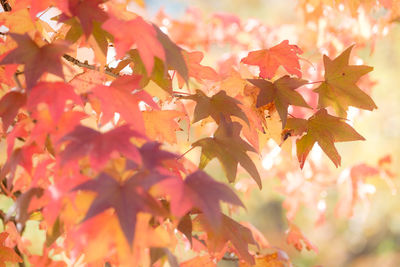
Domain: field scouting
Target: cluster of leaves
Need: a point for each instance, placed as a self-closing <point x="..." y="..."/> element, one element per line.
<point x="92" y="145"/>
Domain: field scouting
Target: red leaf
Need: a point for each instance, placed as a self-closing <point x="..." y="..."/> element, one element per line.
<point x="37" y="60"/>
<point x="153" y="156"/>
<point x="99" y="146"/>
<point x="141" y="34"/>
<point x="127" y="199"/>
<point x="9" y="106"/>
<point x="87" y="12"/>
<point x="118" y="97"/>
<point x="55" y="95"/>
<point x="7" y="254"/>
<point x="269" y="60"/>
<point x="200" y="191"/>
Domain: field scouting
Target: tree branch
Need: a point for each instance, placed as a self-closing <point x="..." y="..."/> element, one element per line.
<point x="85" y="65"/>
<point x="6" y="6"/>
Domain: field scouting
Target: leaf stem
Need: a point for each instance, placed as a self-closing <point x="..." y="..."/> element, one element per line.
<point x="187" y="151"/>
<point x="7" y="192"/>
<point x="180" y="94"/>
<point x="315" y="82"/>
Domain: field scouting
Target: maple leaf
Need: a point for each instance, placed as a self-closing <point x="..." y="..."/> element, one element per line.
<point x="200" y="191"/>
<point x="34" y="6"/>
<point x="7" y="254"/>
<point x="196" y="70"/>
<point x="339" y="89"/>
<point x="269" y="60"/>
<point x="237" y="234"/>
<point x="87" y="12"/>
<point x="118" y="97"/>
<point x="295" y="237"/>
<point x="22" y="157"/>
<point x="10" y="104"/>
<point x="214" y="106"/>
<point x="141" y="33"/>
<point x="55" y="95"/>
<point x="173" y="54"/>
<point x="276" y="259"/>
<point x="324" y="129"/>
<point x="158" y="253"/>
<point x="153" y="156"/>
<point x="99" y="146"/>
<point x="161" y="125"/>
<point x="204" y="261"/>
<point x="281" y="92"/>
<point x="37" y="60"/>
<point x="230" y="149"/>
<point x="127" y="198"/>
<point x="18" y="21"/>
<point x="159" y="75"/>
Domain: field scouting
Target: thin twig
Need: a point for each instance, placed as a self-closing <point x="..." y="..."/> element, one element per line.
<point x="225" y="258"/>
<point x="85" y="65"/>
<point x="6" y="6"/>
<point x="185" y="153"/>
<point x="6" y="191"/>
<point x="315" y="82"/>
<point x="44" y="12"/>
<point x="16" y="79"/>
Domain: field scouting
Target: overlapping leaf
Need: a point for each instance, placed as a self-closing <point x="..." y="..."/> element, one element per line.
<point x="118" y="97"/>
<point x="215" y="106"/>
<point x="237" y="234"/>
<point x="339" y="90"/>
<point x="86" y="11"/>
<point x="9" y="106"/>
<point x="7" y="254"/>
<point x="55" y="95"/>
<point x="84" y="141"/>
<point x="161" y="125"/>
<point x="173" y="54"/>
<point x="324" y="129"/>
<point x="142" y="34"/>
<point x="296" y="238"/>
<point x="230" y="149"/>
<point x="37" y="60"/>
<point x="195" y="69"/>
<point x="281" y="92"/>
<point x="199" y="191"/>
<point x="127" y="198"/>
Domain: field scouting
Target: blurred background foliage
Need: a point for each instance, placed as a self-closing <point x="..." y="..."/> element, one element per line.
<point x="371" y="237"/>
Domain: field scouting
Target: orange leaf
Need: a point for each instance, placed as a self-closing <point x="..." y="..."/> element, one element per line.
<point x="7" y="254"/>
<point x="161" y="125"/>
<point x="196" y="70"/>
<point x="269" y="60"/>
<point x="296" y="238"/>
<point x="200" y="261"/>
